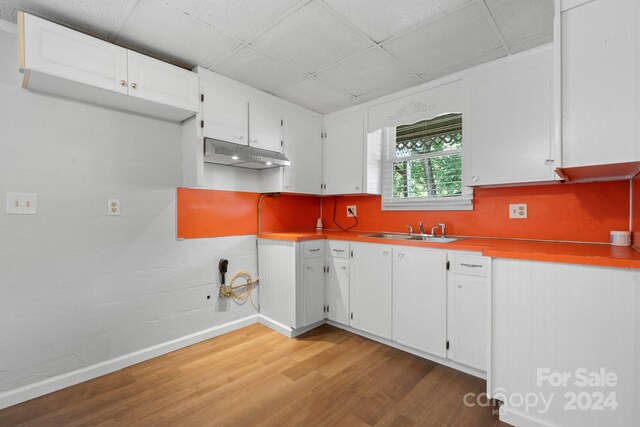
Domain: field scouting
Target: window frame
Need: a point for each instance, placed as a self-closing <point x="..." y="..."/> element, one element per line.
<point x="462" y="202"/>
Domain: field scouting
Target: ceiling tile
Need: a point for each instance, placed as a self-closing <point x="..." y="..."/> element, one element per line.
<point x="395" y="87"/>
<point x="7" y="12"/>
<point x="445" y="42"/>
<point x="258" y="70"/>
<point x="531" y="43"/>
<point x="388" y="18"/>
<point x="241" y="19"/>
<point x="100" y="18"/>
<point x="365" y="72"/>
<point x="167" y="33"/>
<point x="487" y="57"/>
<point x="317" y="96"/>
<point x="521" y="20"/>
<point x="312" y="37"/>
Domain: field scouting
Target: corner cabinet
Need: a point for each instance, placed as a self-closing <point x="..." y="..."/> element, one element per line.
<point x="336" y="290"/>
<point x="600" y="82"/>
<point x="508" y="131"/>
<point x="64" y="62"/>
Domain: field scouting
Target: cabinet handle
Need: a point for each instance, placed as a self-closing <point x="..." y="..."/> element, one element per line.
<point x="356" y="187"/>
<point x="309" y="268"/>
<point x="123" y="82"/>
<point x="314" y="250"/>
<point x="471" y="265"/>
<point x="134" y="85"/>
<point x="474" y="178"/>
<point x="549" y="162"/>
<point x="338" y="250"/>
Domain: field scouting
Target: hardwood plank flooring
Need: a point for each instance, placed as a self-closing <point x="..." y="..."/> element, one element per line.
<point x="255" y="376"/>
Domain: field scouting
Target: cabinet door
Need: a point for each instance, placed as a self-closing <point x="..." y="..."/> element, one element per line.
<point x="600" y="51"/>
<point x="163" y="83"/>
<point x="225" y="110"/>
<point x="265" y="126"/>
<point x="344" y="153"/>
<point x="313" y="290"/>
<point x="370" y="290"/>
<point x="420" y="299"/>
<point x="58" y="51"/>
<point x="303" y="147"/>
<point x="468" y="321"/>
<point x="337" y="291"/>
<point x="508" y="133"/>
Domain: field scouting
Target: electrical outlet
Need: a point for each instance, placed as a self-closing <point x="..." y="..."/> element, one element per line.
<point x="518" y="211"/>
<point x="352" y="211"/>
<point x="22" y="203"/>
<point x="113" y="207"/>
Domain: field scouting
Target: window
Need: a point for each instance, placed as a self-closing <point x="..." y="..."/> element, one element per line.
<point x="423" y="165"/>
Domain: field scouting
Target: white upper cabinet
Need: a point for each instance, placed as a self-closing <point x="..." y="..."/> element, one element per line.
<point x="303" y="147"/>
<point x="64" y="62"/>
<point x="163" y="83"/>
<point x="600" y="83"/>
<point x="420" y="299"/>
<point x="344" y="153"/>
<point x="225" y="109"/>
<point x="508" y="131"/>
<point x="265" y="126"/>
<point x="61" y="52"/>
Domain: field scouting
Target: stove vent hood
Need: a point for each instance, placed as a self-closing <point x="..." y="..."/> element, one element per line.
<point x="242" y="156"/>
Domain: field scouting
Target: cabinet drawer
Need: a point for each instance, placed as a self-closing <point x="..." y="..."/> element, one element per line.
<point x="470" y="265"/>
<point x="339" y="249"/>
<point x="313" y="249"/>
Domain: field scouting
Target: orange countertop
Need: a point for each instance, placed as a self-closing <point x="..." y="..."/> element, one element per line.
<point x="569" y="253"/>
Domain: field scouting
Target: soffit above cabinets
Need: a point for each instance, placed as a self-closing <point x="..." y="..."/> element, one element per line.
<point x="322" y="54"/>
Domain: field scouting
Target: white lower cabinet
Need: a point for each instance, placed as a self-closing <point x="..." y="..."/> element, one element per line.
<point x="337" y="290"/>
<point x="370" y="293"/>
<point x="313" y="290"/>
<point x="420" y="299"/>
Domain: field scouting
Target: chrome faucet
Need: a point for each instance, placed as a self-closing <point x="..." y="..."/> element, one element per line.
<point x="410" y="229"/>
<point x="442" y="229"/>
<point x="421" y="228"/>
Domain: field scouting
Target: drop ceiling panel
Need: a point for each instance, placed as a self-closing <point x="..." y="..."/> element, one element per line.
<point x="313" y="38"/>
<point x="385" y="19"/>
<point x="445" y="42"/>
<point x="100" y="18"/>
<point x="255" y="69"/>
<point x="371" y="70"/>
<point x="241" y="19"/>
<point x="7" y="12"/>
<point x="173" y="35"/>
<point x="523" y="20"/>
<point x="317" y="96"/>
<point x="395" y="87"/>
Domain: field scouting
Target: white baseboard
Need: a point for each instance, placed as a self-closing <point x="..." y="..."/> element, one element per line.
<point x="446" y="362"/>
<point x="40" y="388"/>
<point x="520" y="419"/>
<point x="276" y="326"/>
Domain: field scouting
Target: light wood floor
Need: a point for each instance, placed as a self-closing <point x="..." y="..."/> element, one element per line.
<point x="255" y="376"/>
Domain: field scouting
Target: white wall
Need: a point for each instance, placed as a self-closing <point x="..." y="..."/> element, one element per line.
<point x="78" y="287"/>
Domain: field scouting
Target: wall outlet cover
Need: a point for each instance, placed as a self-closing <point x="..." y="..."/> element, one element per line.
<point x="518" y="211"/>
<point x="22" y="203"/>
<point x="352" y="211"/>
<point x="113" y="207"/>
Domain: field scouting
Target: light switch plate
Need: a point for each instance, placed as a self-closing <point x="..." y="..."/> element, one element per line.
<point x="113" y="207"/>
<point x="22" y="203"/>
<point x="353" y="209"/>
<point x="518" y="211"/>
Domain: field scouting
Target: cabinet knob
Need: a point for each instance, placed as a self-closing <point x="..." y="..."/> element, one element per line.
<point x="134" y="85"/>
<point x="254" y="141"/>
<point x="549" y="162"/>
<point x="474" y="178"/>
<point x="344" y="267"/>
<point x="239" y="138"/>
<point x="309" y="268"/>
<point x="356" y="187"/>
<point x="400" y="255"/>
<point x="123" y="82"/>
<point x="385" y="253"/>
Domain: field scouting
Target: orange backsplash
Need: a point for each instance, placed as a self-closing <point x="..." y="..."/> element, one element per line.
<point x="573" y="212"/>
<point x="213" y="213"/>
<point x="636" y="212"/>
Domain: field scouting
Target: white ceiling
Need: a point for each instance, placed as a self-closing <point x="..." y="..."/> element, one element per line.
<point x="322" y="54"/>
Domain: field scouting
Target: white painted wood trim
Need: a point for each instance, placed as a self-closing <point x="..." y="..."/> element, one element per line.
<point x="49" y="385"/>
<point x="276" y="326"/>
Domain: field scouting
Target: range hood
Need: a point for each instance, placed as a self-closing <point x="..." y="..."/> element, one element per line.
<point x="242" y="156"/>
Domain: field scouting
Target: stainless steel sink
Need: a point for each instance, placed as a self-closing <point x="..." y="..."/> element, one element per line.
<point x="423" y="238"/>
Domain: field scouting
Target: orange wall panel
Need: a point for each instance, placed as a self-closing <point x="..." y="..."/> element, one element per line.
<point x="214" y="213"/>
<point x="636" y="212"/>
<point x="575" y="212"/>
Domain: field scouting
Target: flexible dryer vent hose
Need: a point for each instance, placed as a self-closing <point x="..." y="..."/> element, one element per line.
<point x="242" y="292"/>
